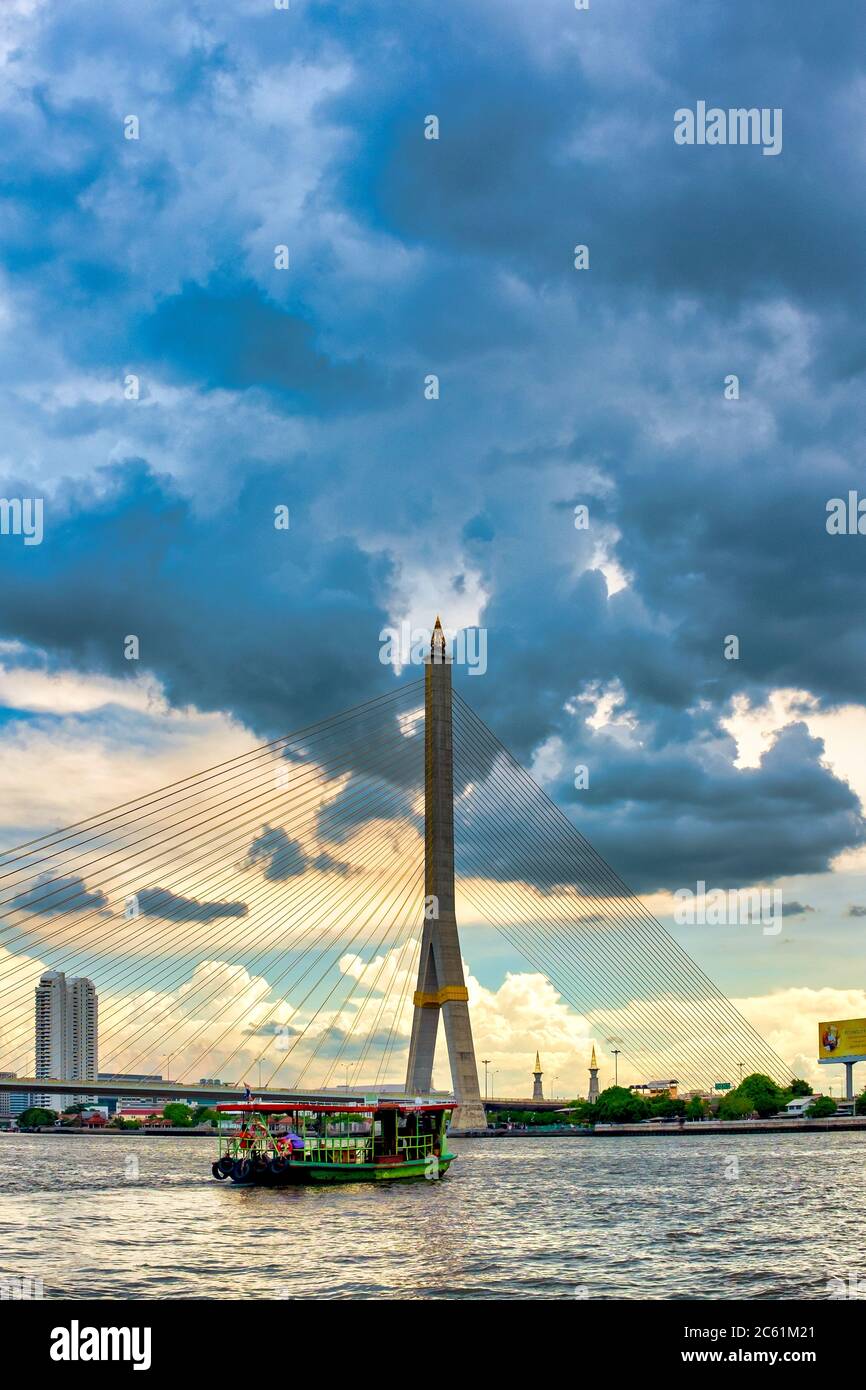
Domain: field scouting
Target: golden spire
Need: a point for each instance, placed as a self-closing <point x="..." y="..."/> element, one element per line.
<point x="537" y="1063"/>
<point x="593" y="1063"/>
<point x="438" y="645"/>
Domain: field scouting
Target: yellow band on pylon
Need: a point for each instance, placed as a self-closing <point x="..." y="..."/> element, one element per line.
<point x="439" y="997"/>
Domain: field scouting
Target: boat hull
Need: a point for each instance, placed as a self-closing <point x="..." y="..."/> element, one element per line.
<point x="331" y="1174"/>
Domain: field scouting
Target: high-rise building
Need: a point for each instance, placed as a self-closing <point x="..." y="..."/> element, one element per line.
<point x="537" y="1090"/>
<point x="592" y="1097"/>
<point x="12" y="1102"/>
<point x="66" y="1033"/>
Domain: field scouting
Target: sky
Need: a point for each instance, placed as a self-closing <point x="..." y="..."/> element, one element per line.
<point x="168" y="382"/>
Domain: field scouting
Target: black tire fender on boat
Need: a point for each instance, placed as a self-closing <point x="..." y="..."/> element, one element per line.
<point x="225" y="1164"/>
<point x="241" y="1170"/>
<point x="277" y="1166"/>
<point x="218" y="1172"/>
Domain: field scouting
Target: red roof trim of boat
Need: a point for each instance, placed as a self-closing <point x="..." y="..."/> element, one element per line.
<point x="290" y="1107"/>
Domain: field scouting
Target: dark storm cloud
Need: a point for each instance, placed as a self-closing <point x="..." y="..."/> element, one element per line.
<point x="454" y="256"/>
<point x="235" y="339"/>
<point x="795" y="909"/>
<point x="230" y="612"/>
<point x="171" y="907"/>
<point x="285" y="858"/>
<point x="664" y="822"/>
<point x="366" y="798"/>
<point x="680" y="819"/>
<point x="49" y="897"/>
<point x="587" y="155"/>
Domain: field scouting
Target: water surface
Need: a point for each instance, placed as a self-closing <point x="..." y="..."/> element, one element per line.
<point x="673" y="1217"/>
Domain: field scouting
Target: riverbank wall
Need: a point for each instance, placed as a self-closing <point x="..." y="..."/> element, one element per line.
<point x="667" y="1131"/>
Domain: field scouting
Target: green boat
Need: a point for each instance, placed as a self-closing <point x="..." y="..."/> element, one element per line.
<point x="280" y="1144"/>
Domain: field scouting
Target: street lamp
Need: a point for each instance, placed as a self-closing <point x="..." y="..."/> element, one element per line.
<point x="485" y="1062"/>
<point x="616" y="1052"/>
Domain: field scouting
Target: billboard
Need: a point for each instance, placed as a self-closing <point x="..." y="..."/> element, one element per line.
<point x="842" y="1040"/>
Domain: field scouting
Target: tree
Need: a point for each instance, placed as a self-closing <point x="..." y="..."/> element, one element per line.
<point x="766" y="1097"/>
<point x="179" y="1114"/>
<point x="76" y="1109"/>
<point x="860" y="1104"/>
<point x="696" y="1108"/>
<point x="666" y="1108"/>
<point x="821" y="1107"/>
<point x="616" y="1105"/>
<point x="568" y="1117"/>
<point x="734" y="1106"/>
<point x="798" y="1087"/>
<point x="204" y="1115"/>
<point x="36" y="1115"/>
<point x="761" y="1091"/>
<point x="580" y="1112"/>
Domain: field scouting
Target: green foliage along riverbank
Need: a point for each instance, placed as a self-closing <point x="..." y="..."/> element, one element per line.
<point x="757" y="1096"/>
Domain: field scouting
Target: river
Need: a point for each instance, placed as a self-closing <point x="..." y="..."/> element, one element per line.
<point x="673" y="1217"/>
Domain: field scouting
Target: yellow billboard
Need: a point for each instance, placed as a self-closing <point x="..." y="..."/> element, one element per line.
<point x="842" y="1039"/>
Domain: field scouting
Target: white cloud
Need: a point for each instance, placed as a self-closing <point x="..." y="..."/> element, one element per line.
<point x="788" y="1019"/>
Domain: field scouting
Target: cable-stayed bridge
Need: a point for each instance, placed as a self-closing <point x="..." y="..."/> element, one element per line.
<point x="289" y="917"/>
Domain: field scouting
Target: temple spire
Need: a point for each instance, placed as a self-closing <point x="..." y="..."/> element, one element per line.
<point x="537" y="1091"/>
<point x="592" y="1093"/>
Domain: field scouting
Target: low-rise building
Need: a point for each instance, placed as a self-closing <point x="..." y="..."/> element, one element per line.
<point x="147" y="1114"/>
<point x="797" y="1107"/>
<point x="656" y="1090"/>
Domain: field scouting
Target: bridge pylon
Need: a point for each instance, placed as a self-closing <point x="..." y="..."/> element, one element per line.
<point x="441" y="985"/>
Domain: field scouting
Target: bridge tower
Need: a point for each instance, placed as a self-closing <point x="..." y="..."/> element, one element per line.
<point x="441" y="986"/>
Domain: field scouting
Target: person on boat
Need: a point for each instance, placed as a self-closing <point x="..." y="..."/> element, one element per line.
<point x="291" y="1142"/>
